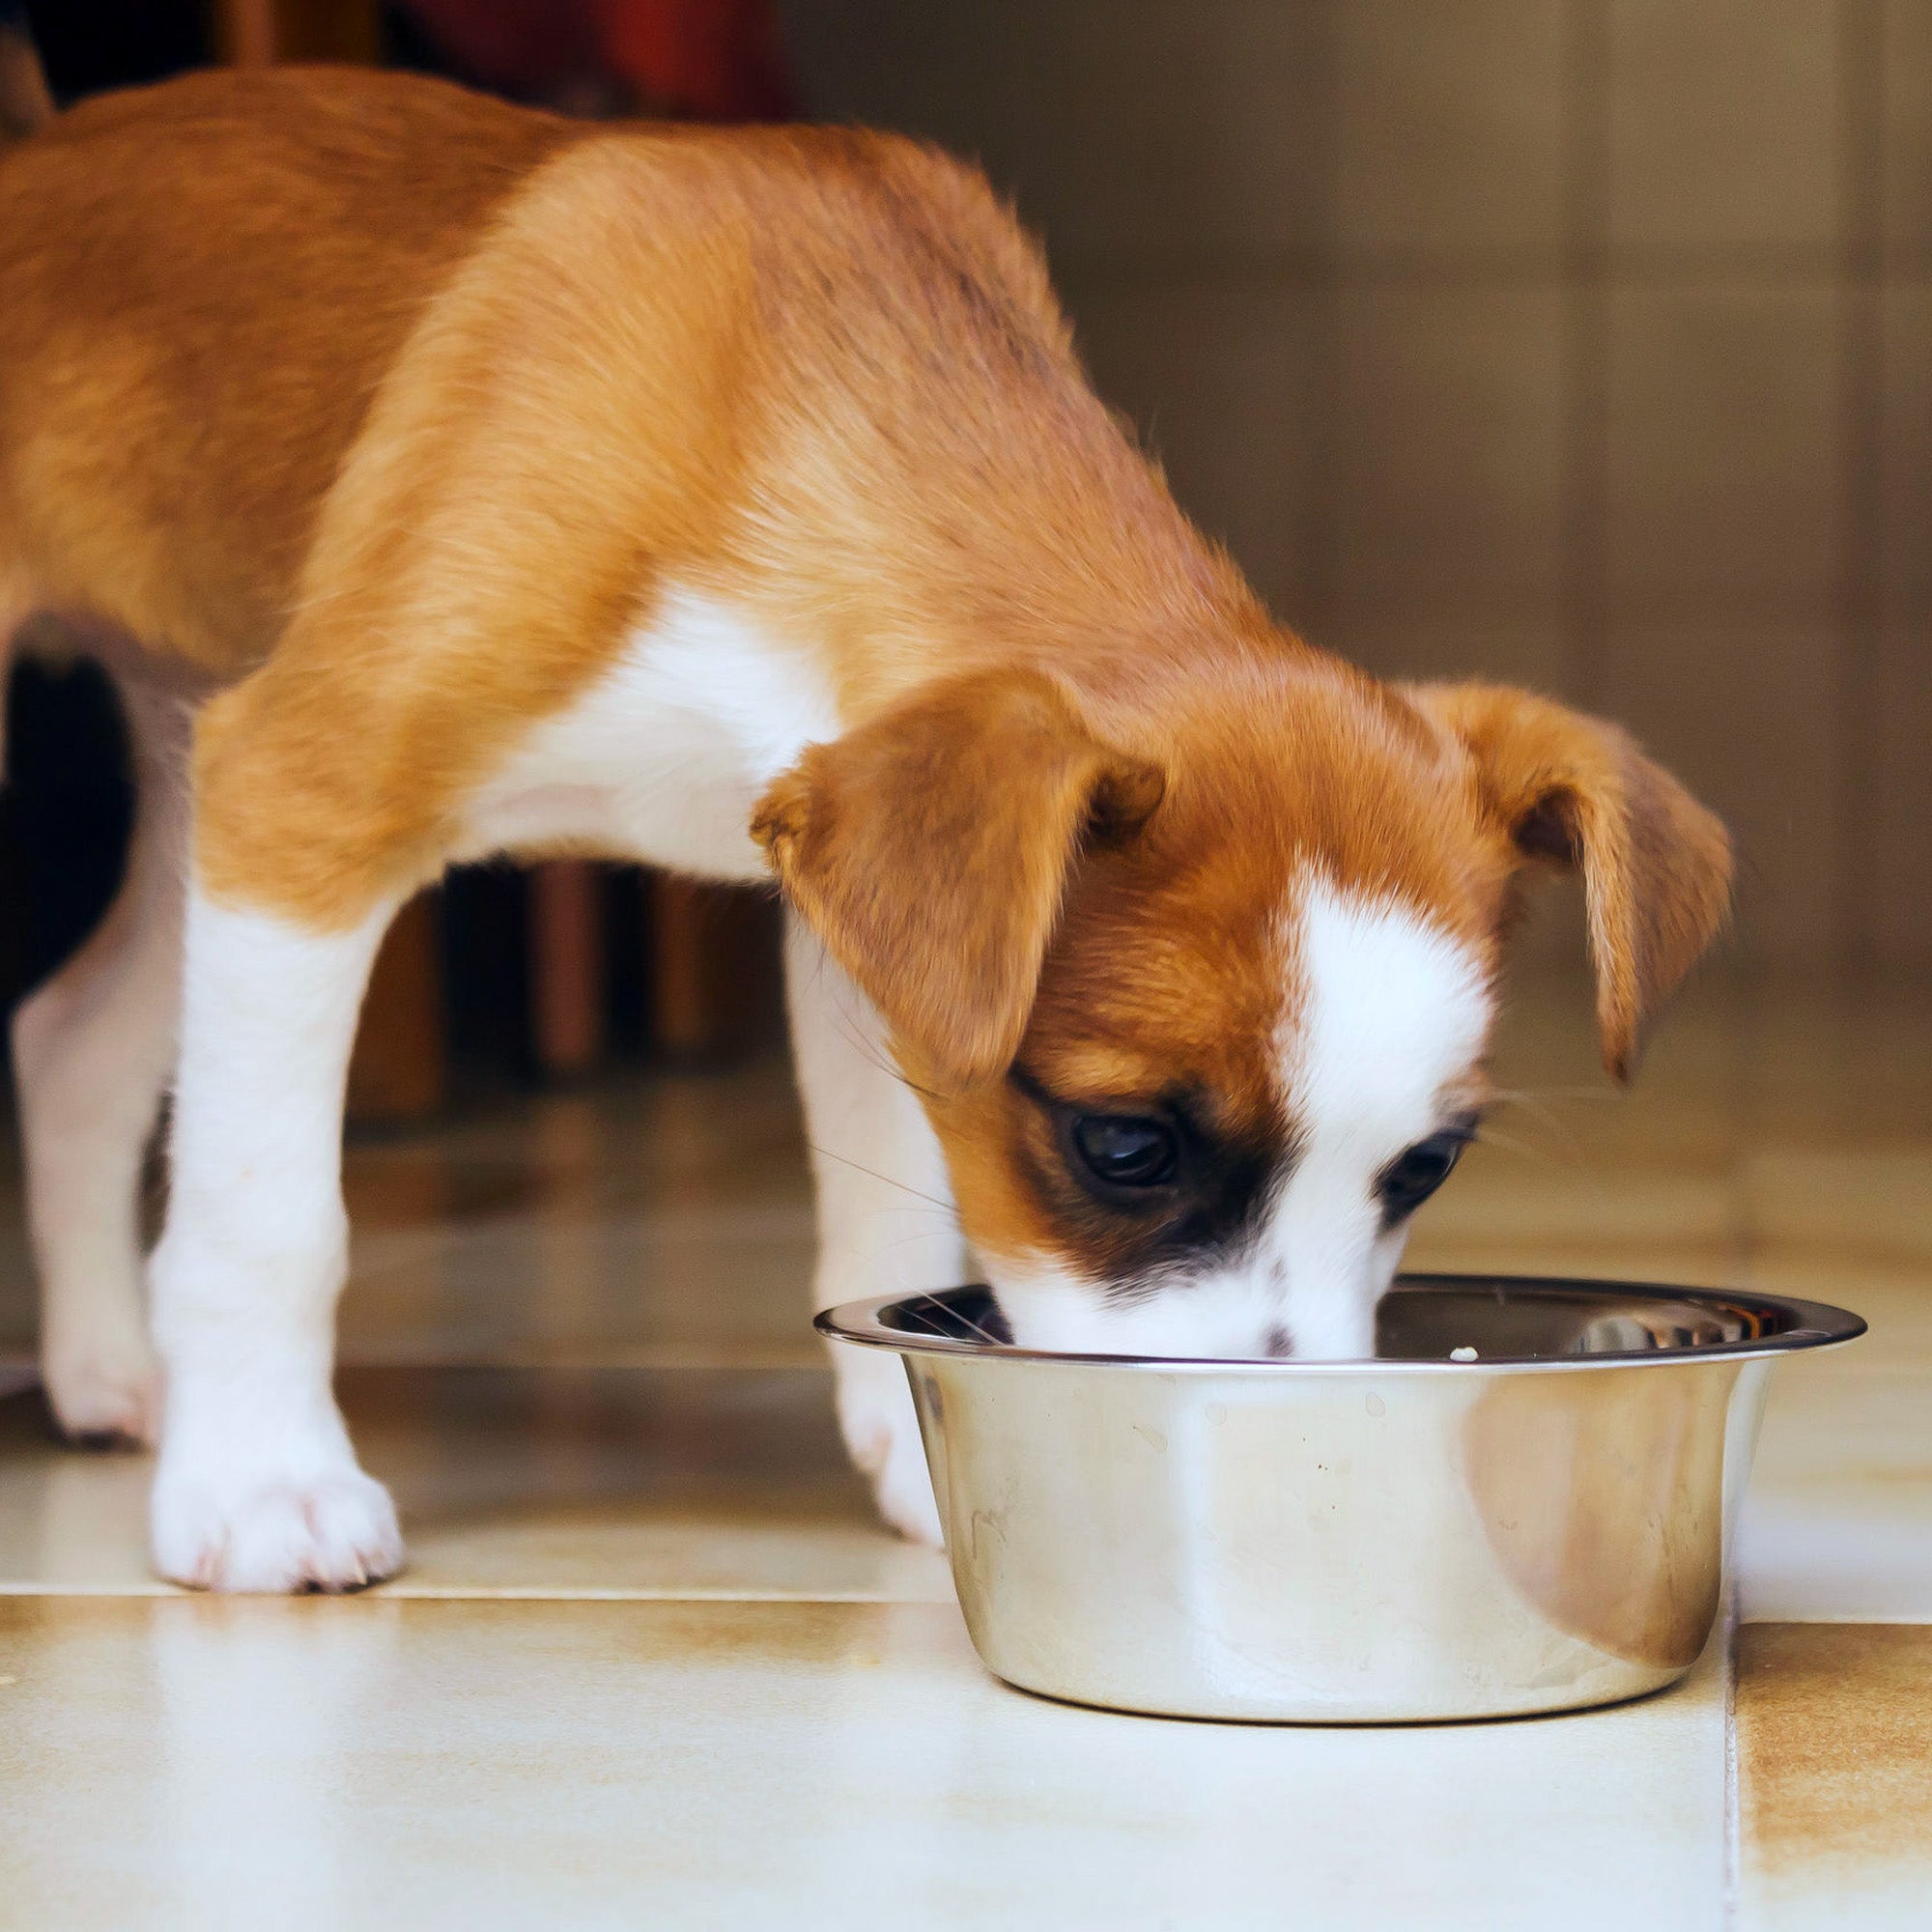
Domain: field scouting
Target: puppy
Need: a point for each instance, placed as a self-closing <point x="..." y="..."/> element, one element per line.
<point x="441" y="479"/>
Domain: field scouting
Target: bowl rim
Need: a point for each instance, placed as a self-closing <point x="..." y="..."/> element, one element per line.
<point x="1816" y="1324"/>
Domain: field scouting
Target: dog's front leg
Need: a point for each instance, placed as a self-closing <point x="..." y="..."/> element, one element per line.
<point x="885" y="1222"/>
<point x="258" y="1488"/>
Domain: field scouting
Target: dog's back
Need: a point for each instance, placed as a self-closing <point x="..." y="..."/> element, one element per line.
<point x="165" y="477"/>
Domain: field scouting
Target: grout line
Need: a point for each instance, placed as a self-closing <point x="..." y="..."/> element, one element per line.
<point x="156" y="1591"/>
<point x="19" y="1373"/>
<point x="765" y="1359"/>
<point x="1318" y="523"/>
<point x="1586" y="481"/>
<point x="1733" y="1823"/>
<point x="1742" y="270"/>
<point x="1860" y="588"/>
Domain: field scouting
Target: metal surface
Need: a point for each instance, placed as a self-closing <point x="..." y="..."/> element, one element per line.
<point x="1403" y="1539"/>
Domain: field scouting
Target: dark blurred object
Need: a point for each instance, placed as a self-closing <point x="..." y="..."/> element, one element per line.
<point x="259" y="32"/>
<point x="708" y="60"/>
<point x="87" y="45"/>
<point x="69" y="810"/>
<point x="24" y="100"/>
<point x="716" y="979"/>
<point x="400" y="1070"/>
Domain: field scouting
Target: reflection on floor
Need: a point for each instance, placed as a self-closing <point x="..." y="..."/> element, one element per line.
<point x="653" y="1661"/>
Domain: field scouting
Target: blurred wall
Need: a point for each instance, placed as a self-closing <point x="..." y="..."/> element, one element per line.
<point x="1586" y="342"/>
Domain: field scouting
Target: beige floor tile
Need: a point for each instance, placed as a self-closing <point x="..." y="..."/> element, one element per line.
<point x="643" y="1414"/>
<point x="1836" y="1553"/>
<point x="1850" y="1205"/>
<point x="685" y="1483"/>
<point x="1834" y="1776"/>
<point x="1838" y="1523"/>
<point x="712" y="1281"/>
<point x="376" y="1762"/>
<point x="1838" y="1526"/>
<point x="664" y="1219"/>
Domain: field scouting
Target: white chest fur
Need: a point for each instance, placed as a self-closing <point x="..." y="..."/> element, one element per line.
<point x="663" y="758"/>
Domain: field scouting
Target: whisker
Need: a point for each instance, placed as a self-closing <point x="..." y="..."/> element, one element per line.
<point x="1597" y="1091"/>
<point x="860" y="1167"/>
<point x="1528" y="1150"/>
<point x="946" y="1307"/>
<point x="859" y="1039"/>
<point x="1530" y="1104"/>
<point x="906" y="1240"/>
<point x="1545" y="1117"/>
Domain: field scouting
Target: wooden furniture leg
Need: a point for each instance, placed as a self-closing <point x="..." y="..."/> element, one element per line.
<point x="259" y="32"/>
<point x="400" y="1069"/>
<point x="566" y="966"/>
<point x="715" y="976"/>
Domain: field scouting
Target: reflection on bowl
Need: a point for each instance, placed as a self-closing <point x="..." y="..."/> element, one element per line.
<point x="1539" y="1528"/>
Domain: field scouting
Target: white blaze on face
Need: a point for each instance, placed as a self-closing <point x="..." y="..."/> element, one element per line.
<point x="1391" y="1019"/>
<point x="1384" y="1021"/>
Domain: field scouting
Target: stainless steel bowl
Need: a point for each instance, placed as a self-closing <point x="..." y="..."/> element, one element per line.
<point x="1408" y="1538"/>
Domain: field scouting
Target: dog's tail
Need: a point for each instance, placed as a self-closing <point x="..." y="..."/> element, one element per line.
<point x="24" y="100"/>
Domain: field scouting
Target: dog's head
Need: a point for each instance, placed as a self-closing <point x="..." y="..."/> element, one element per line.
<point x="1200" y="1010"/>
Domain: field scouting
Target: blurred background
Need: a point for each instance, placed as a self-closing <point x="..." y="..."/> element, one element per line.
<point x="1582" y="343"/>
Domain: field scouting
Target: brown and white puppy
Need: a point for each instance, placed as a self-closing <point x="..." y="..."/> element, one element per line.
<point x="733" y="501"/>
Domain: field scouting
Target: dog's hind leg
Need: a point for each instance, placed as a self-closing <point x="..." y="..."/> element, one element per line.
<point x="92" y="1047"/>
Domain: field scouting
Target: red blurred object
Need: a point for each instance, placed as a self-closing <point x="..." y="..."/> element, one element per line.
<point x="714" y="60"/>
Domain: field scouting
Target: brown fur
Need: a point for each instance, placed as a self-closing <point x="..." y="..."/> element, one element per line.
<point x="1656" y="865"/>
<point x="392" y="408"/>
<point x="992" y="776"/>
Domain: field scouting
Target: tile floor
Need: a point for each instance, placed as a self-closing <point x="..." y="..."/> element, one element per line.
<point x="653" y="1663"/>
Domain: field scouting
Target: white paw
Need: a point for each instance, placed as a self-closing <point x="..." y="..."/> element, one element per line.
<point x="97" y="1391"/>
<point x="902" y="1486"/>
<point x="332" y="1530"/>
<point x="881" y="1431"/>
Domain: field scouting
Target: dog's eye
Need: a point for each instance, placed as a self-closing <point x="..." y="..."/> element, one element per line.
<point x="1411" y="1178"/>
<point x="1121" y="1151"/>
<point x="1408" y="1181"/>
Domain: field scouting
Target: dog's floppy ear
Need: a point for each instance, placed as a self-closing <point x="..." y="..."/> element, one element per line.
<point x="1656" y="865"/>
<point x="930" y="849"/>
